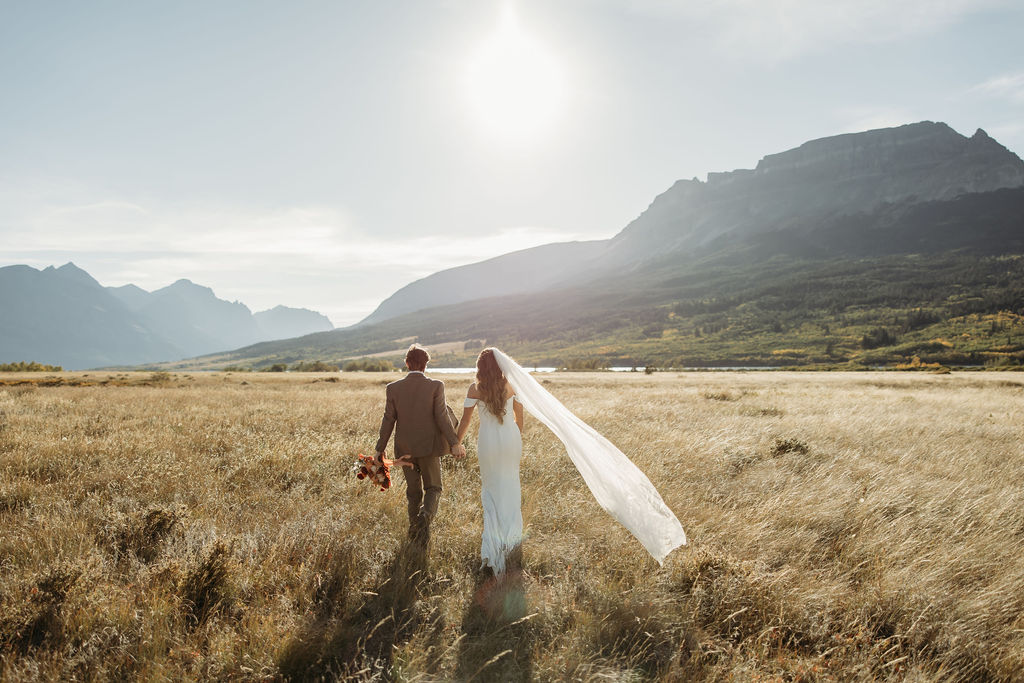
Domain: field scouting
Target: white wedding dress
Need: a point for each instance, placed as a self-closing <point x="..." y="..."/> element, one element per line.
<point x="499" y="450"/>
<point x="617" y="484"/>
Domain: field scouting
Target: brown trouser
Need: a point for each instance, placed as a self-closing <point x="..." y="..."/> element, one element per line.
<point x="423" y="490"/>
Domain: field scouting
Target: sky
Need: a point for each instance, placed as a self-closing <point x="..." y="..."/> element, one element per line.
<point x="322" y="154"/>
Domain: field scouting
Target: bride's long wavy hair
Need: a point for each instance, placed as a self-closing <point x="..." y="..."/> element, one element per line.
<point x="491" y="383"/>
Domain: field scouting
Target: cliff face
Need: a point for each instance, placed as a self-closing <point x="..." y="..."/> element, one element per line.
<point x="826" y="178"/>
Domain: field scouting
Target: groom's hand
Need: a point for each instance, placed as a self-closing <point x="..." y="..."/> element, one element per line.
<point x="379" y="458"/>
<point x="459" y="451"/>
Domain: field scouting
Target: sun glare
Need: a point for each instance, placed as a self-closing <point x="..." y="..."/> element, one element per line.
<point x="516" y="88"/>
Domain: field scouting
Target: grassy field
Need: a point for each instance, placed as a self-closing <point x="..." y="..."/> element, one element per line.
<point x="860" y="526"/>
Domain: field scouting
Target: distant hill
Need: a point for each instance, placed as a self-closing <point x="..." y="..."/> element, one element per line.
<point x="63" y="316"/>
<point x="867" y="248"/>
<point x="194" y="318"/>
<point x="282" y="322"/>
<point x="528" y="270"/>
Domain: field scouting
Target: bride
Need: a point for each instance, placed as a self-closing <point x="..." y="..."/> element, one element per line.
<point x="617" y="484"/>
<point x="499" y="449"/>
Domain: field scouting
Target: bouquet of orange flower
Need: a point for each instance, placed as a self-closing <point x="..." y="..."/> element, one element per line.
<point x="379" y="474"/>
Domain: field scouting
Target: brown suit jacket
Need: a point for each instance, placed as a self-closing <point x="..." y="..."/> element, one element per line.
<point x="416" y="404"/>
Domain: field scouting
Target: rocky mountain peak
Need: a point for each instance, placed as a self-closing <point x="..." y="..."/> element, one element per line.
<point x="924" y="140"/>
<point x="834" y="176"/>
<point x="188" y="289"/>
<point x="70" y="271"/>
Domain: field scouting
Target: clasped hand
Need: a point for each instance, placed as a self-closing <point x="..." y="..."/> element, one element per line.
<point x="404" y="461"/>
<point x="458" y="450"/>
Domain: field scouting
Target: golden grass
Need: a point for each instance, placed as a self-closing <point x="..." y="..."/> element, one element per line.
<point x="861" y="526"/>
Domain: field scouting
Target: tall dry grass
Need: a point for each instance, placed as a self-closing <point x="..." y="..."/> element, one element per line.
<point x="843" y="527"/>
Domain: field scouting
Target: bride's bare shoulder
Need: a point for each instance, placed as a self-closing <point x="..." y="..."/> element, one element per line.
<point x="473" y="391"/>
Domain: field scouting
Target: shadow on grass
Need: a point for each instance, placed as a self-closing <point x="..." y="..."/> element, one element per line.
<point x="345" y="641"/>
<point x="497" y="637"/>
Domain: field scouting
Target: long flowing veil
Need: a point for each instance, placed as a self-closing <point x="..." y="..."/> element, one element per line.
<point x="618" y="485"/>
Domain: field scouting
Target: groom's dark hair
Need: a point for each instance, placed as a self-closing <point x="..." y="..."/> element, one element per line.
<point x="417" y="358"/>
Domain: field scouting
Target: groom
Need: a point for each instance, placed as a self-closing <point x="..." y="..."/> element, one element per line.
<point x="416" y="404"/>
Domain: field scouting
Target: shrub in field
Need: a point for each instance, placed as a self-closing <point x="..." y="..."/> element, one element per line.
<point x="878" y="337"/>
<point x="205" y="588"/>
<point x="31" y="366"/>
<point x="15" y="496"/>
<point x="781" y="446"/>
<point x="585" y="364"/>
<point x="276" y="367"/>
<point x="916" y="364"/>
<point x="764" y="411"/>
<point x="142" y="535"/>
<point x="722" y="395"/>
<point x="369" y="365"/>
<point x="314" y="366"/>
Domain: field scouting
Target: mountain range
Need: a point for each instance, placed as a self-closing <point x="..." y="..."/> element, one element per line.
<point x="871" y="248"/>
<point x="897" y="246"/>
<point x="62" y="316"/>
<point x="795" y="192"/>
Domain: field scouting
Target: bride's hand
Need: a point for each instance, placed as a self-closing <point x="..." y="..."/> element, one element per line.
<point x="405" y="461"/>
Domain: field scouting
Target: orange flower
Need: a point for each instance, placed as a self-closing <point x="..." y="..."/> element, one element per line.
<point x="367" y="468"/>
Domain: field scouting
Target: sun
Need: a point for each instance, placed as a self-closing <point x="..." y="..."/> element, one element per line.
<point x="514" y="85"/>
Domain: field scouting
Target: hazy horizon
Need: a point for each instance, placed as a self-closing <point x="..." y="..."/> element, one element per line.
<point x="322" y="156"/>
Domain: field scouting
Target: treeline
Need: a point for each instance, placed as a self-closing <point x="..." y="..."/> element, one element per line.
<point x="314" y="366"/>
<point x="359" y="365"/>
<point x="586" y="364"/>
<point x="31" y="366"/>
<point x="301" y="366"/>
<point x="369" y="365"/>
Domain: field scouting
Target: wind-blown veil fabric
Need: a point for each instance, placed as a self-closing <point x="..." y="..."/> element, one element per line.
<point x="618" y="485"/>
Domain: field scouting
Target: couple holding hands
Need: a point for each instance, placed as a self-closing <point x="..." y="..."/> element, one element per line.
<point x="425" y="428"/>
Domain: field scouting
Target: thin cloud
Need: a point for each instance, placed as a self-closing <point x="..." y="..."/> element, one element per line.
<point x="860" y="119"/>
<point x="310" y="257"/>
<point x="1006" y="86"/>
<point x="784" y="29"/>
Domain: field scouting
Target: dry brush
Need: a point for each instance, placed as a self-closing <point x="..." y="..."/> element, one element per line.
<point x="865" y="526"/>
